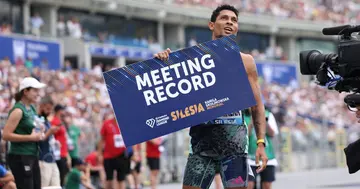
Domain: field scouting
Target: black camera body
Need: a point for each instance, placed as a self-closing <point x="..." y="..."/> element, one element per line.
<point x="346" y="64"/>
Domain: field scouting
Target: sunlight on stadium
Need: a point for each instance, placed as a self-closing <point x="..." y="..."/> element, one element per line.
<point x="61" y="117"/>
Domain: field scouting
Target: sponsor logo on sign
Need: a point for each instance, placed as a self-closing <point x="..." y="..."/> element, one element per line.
<point x="150" y="122"/>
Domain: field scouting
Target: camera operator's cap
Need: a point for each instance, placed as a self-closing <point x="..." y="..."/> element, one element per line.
<point x="30" y="82"/>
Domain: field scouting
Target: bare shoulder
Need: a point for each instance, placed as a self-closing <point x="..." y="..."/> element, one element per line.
<point x="249" y="62"/>
<point x="16" y="113"/>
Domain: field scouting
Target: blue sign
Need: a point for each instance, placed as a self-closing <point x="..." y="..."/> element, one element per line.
<point x="275" y="72"/>
<point x="117" y="51"/>
<point x="19" y="49"/>
<point x="198" y="84"/>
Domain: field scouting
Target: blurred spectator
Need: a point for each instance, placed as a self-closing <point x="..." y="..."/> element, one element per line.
<point x="153" y="154"/>
<point x="192" y="41"/>
<point x="44" y="64"/>
<point x="61" y="27"/>
<point x="153" y="45"/>
<point x="36" y="23"/>
<point x="62" y="137"/>
<point x="74" y="28"/>
<point x="50" y="175"/>
<point x="79" y="176"/>
<point x="68" y="66"/>
<point x="24" y="131"/>
<point x="29" y="64"/>
<point x="74" y="134"/>
<point x="7" y="180"/>
<point x="5" y="28"/>
<point x="114" y="153"/>
<point x="97" y="172"/>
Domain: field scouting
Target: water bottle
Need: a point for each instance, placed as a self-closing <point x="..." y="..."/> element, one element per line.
<point x="39" y="124"/>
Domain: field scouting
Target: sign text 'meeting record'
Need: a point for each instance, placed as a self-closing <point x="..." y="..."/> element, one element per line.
<point x="159" y="82"/>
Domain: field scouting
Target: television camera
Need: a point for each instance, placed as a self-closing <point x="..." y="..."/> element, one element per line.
<point x="340" y="71"/>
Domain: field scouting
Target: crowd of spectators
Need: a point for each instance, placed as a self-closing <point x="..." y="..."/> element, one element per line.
<point x="348" y="11"/>
<point x="85" y="94"/>
<point x="270" y="53"/>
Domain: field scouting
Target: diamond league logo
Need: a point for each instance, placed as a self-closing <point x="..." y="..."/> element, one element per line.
<point x="150" y="122"/>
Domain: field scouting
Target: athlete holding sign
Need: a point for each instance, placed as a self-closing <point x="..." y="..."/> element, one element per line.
<point x="216" y="145"/>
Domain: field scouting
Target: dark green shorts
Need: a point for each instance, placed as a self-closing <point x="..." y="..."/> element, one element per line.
<point x="200" y="171"/>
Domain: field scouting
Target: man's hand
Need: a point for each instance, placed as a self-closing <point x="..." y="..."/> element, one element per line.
<point x="36" y="136"/>
<point x="260" y="155"/>
<point x="53" y="130"/>
<point x="358" y="113"/>
<point x="163" y="55"/>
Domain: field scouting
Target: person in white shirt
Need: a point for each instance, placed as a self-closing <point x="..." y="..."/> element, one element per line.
<point x="36" y="23"/>
<point x="61" y="27"/>
<point x="74" y="28"/>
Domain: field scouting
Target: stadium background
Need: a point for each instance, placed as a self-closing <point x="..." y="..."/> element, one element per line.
<point x="68" y="43"/>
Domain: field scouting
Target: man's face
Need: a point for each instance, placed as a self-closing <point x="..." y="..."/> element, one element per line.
<point x="225" y="24"/>
<point x="46" y="109"/>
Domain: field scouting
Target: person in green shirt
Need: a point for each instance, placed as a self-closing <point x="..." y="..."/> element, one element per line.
<point x="79" y="175"/>
<point x="74" y="134"/>
<point x="268" y="175"/>
<point x="24" y="131"/>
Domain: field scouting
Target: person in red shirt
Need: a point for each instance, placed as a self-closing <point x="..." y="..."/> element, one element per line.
<point x="61" y="136"/>
<point x="153" y="159"/>
<point x="113" y="149"/>
<point x="97" y="173"/>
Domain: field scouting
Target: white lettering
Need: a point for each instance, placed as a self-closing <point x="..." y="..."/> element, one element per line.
<point x="211" y="62"/>
<point x="160" y="93"/>
<point x="155" y="77"/>
<point x="193" y="65"/>
<point x="176" y="68"/>
<point x="149" y="97"/>
<point x="167" y="90"/>
<point x="142" y="83"/>
<point x="181" y="89"/>
<point x="165" y="73"/>
<point x="184" y="86"/>
<point x="37" y="47"/>
<point x="196" y="80"/>
<point x="186" y="73"/>
<point x="212" y="76"/>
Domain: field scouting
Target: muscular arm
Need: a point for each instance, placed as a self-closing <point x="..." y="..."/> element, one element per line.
<point x="257" y="111"/>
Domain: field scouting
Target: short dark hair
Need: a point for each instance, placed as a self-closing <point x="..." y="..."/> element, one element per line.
<point x="59" y="107"/>
<point x="220" y="8"/>
<point x="47" y="100"/>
